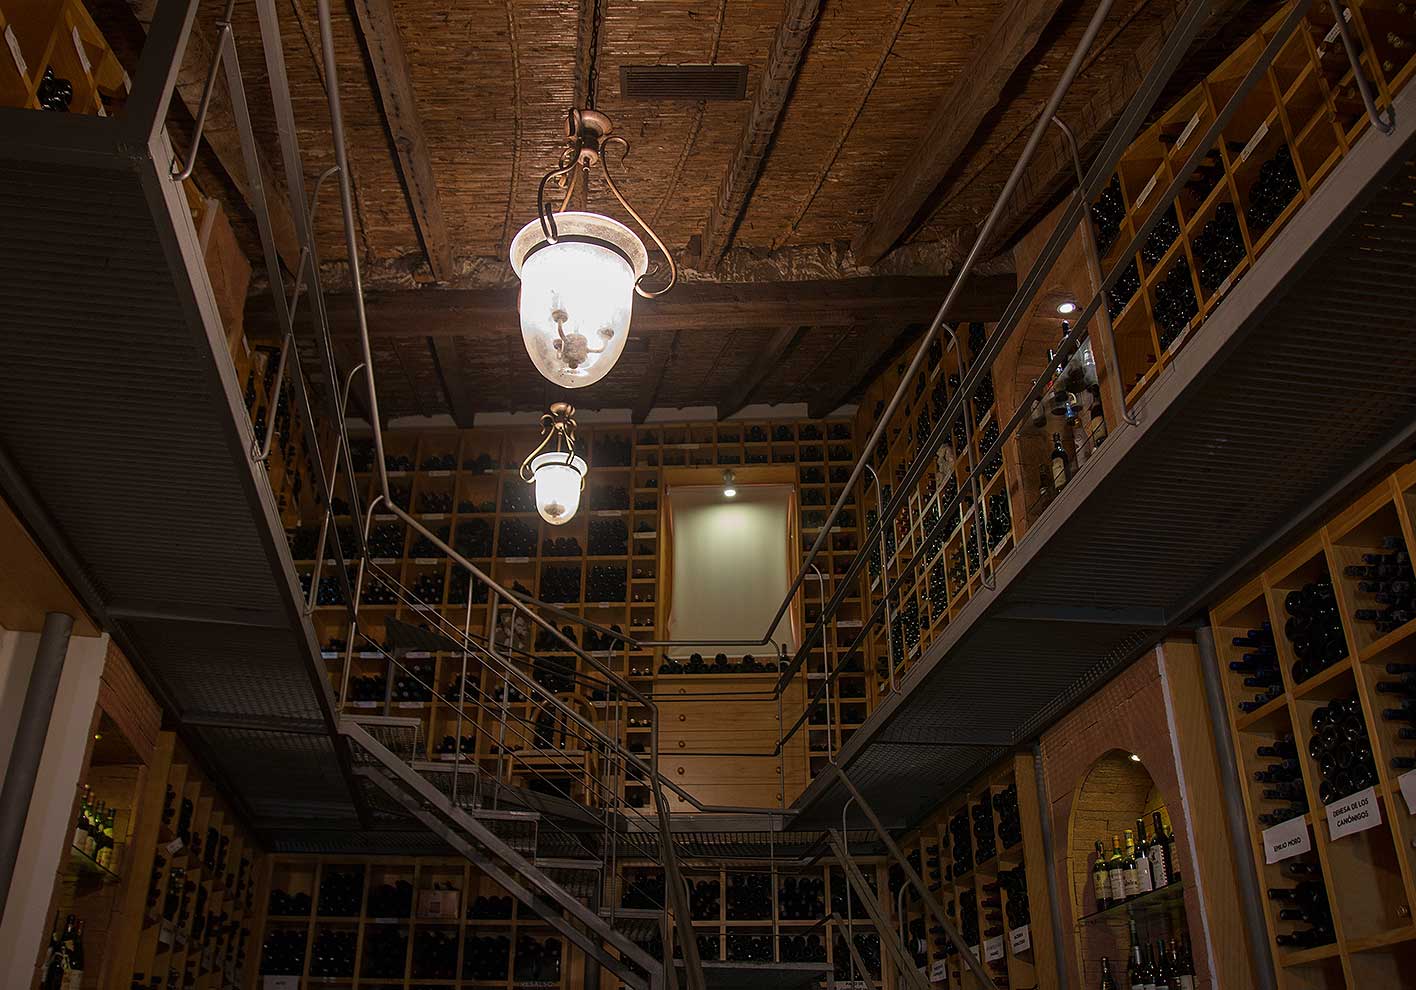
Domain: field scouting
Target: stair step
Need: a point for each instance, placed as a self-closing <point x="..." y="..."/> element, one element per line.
<point x="761" y="975"/>
<point x="554" y="863"/>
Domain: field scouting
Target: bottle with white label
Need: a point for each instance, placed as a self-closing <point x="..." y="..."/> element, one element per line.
<point x="1184" y="964"/>
<point x="1169" y="851"/>
<point x="1130" y="881"/>
<point x="1144" y="876"/>
<point x="1101" y="882"/>
<point x="1114" y="872"/>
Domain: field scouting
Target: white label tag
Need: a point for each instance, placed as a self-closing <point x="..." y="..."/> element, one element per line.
<point x="1189" y="129"/>
<point x="1020" y="939"/>
<point x="1224" y="287"/>
<point x="14" y="44"/>
<point x="938" y="971"/>
<point x="610" y="513"/>
<point x="439" y="474"/>
<point x="1408" y="789"/>
<point x="1354" y="814"/>
<point x="281" y="983"/>
<point x="518" y="560"/>
<point x="363" y="704"/>
<point x="83" y="55"/>
<point x="1149" y="188"/>
<point x="1333" y="31"/>
<point x="427" y="560"/>
<point x="174" y="847"/>
<point x="165" y="933"/>
<point x="993" y="948"/>
<point x="1286" y="840"/>
<point x="1253" y="144"/>
<point x="411" y="704"/>
<point x="435" y="515"/>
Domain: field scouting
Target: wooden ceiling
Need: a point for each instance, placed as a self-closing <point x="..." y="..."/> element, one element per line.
<point x="873" y="137"/>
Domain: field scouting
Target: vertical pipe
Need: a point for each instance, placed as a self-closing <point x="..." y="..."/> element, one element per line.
<point x="1049" y="859"/>
<point x="1245" y="869"/>
<point x="23" y="769"/>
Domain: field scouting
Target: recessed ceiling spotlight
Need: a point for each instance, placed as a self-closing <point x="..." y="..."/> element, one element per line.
<point x="729" y="489"/>
<point x="1135" y="758"/>
<point x="1067" y="308"/>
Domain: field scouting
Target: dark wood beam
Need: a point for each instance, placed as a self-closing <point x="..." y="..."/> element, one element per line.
<point x="766" y="361"/>
<point x="220" y="136"/>
<point x="885" y="301"/>
<point x="855" y="369"/>
<point x="783" y="64"/>
<point x="394" y="85"/>
<point x="1115" y="80"/>
<point x="454" y="382"/>
<point x="660" y="354"/>
<point x="972" y="95"/>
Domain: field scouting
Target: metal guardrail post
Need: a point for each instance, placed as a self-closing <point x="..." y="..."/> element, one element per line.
<point x="1364" y="86"/>
<point x="1231" y="794"/>
<point x="904" y="963"/>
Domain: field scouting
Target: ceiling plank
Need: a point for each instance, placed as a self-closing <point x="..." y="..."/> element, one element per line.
<point x="395" y="88"/>
<point x="788" y="47"/>
<point x="659" y="358"/>
<point x="886" y="300"/>
<point x="853" y="372"/>
<point x="220" y="135"/>
<point x="973" y="94"/>
<point x="454" y="382"/>
<point x="739" y="393"/>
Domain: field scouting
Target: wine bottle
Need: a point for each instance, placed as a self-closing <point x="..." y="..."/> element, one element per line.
<point x="74" y="950"/>
<point x="1115" y="873"/>
<point x="1145" y="879"/>
<point x="1061" y="466"/>
<point x="1169" y="854"/>
<point x="1107" y="983"/>
<point x="1136" y="969"/>
<point x="1130" y="882"/>
<point x="1184" y="965"/>
<point x="1101" y="881"/>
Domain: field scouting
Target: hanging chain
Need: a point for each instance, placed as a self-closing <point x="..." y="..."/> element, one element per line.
<point x="592" y="83"/>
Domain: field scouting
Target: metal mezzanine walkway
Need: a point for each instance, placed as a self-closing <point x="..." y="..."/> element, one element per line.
<point x="1301" y="385"/>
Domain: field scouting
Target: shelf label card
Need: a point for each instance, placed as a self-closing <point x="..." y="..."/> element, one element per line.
<point x="974" y="950"/>
<point x="1149" y="188"/>
<point x="1408" y="789"/>
<point x="439" y="474"/>
<point x="1020" y="939"/>
<point x="1189" y="129"/>
<point x="993" y="948"/>
<point x="83" y="55"/>
<point x="165" y="933"/>
<point x="281" y="983"/>
<point x="14" y="44"/>
<point x="1354" y="814"/>
<point x="1286" y="840"/>
<point x="1253" y="144"/>
<point x="174" y="847"/>
<point x="938" y="971"/>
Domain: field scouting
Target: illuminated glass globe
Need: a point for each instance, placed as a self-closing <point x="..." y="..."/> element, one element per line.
<point x="558" y="476"/>
<point x="577" y="294"/>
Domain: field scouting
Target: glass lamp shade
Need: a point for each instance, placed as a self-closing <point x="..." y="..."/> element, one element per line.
<point x="577" y="294"/>
<point x="557" y="478"/>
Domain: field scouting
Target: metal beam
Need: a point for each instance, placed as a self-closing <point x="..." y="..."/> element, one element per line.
<point x="254" y="723"/>
<point x="384" y="44"/>
<point x="778" y="77"/>
<point x="975" y="91"/>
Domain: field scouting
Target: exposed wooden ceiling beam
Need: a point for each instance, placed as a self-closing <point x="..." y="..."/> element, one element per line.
<point x="395" y="88"/>
<point x="973" y="94"/>
<point x="695" y="306"/>
<point x="220" y="135"/>
<point x="660" y="355"/>
<point x="854" y="370"/>
<point x="788" y="47"/>
<point x="1116" y="81"/>
<point x="766" y="361"/>
<point x="455" y="384"/>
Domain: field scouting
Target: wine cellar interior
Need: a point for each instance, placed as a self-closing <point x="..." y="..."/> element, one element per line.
<point x="606" y="495"/>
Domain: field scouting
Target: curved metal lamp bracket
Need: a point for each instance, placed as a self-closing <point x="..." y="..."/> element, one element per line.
<point x="588" y="136"/>
<point x="558" y="428"/>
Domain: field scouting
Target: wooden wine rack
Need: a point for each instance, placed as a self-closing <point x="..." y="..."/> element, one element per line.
<point x="1307" y="101"/>
<point x="1370" y="876"/>
<point x="485" y="493"/>
<point x="160" y="946"/>
<point x="929" y="583"/>
<point x="39" y="34"/>
<point x="1025" y="959"/>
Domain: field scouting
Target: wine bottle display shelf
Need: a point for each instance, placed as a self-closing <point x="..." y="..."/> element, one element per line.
<point x="980" y="853"/>
<point x="604" y="564"/>
<point x="1337" y="730"/>
<point x="55" y="59"/>
<point x="1293" y="128"/>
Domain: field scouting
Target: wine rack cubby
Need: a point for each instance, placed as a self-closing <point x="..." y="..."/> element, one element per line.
<point x="55" y="58"/>
<point x="1332" y="730"/>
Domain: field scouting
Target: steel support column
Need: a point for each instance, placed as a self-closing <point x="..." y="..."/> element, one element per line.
<point x="28" y="749"/>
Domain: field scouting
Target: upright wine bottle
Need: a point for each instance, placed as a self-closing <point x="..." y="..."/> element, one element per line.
<point x="1101" y="881"/>
<point x="1130" y="883"/>
<point x="1114" y="872"/>
<point x="1107" y="983"/>
<point x="1144" y="876"/>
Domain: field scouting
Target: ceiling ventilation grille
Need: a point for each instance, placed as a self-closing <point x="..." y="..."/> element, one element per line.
<point x="683" y="82"/>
